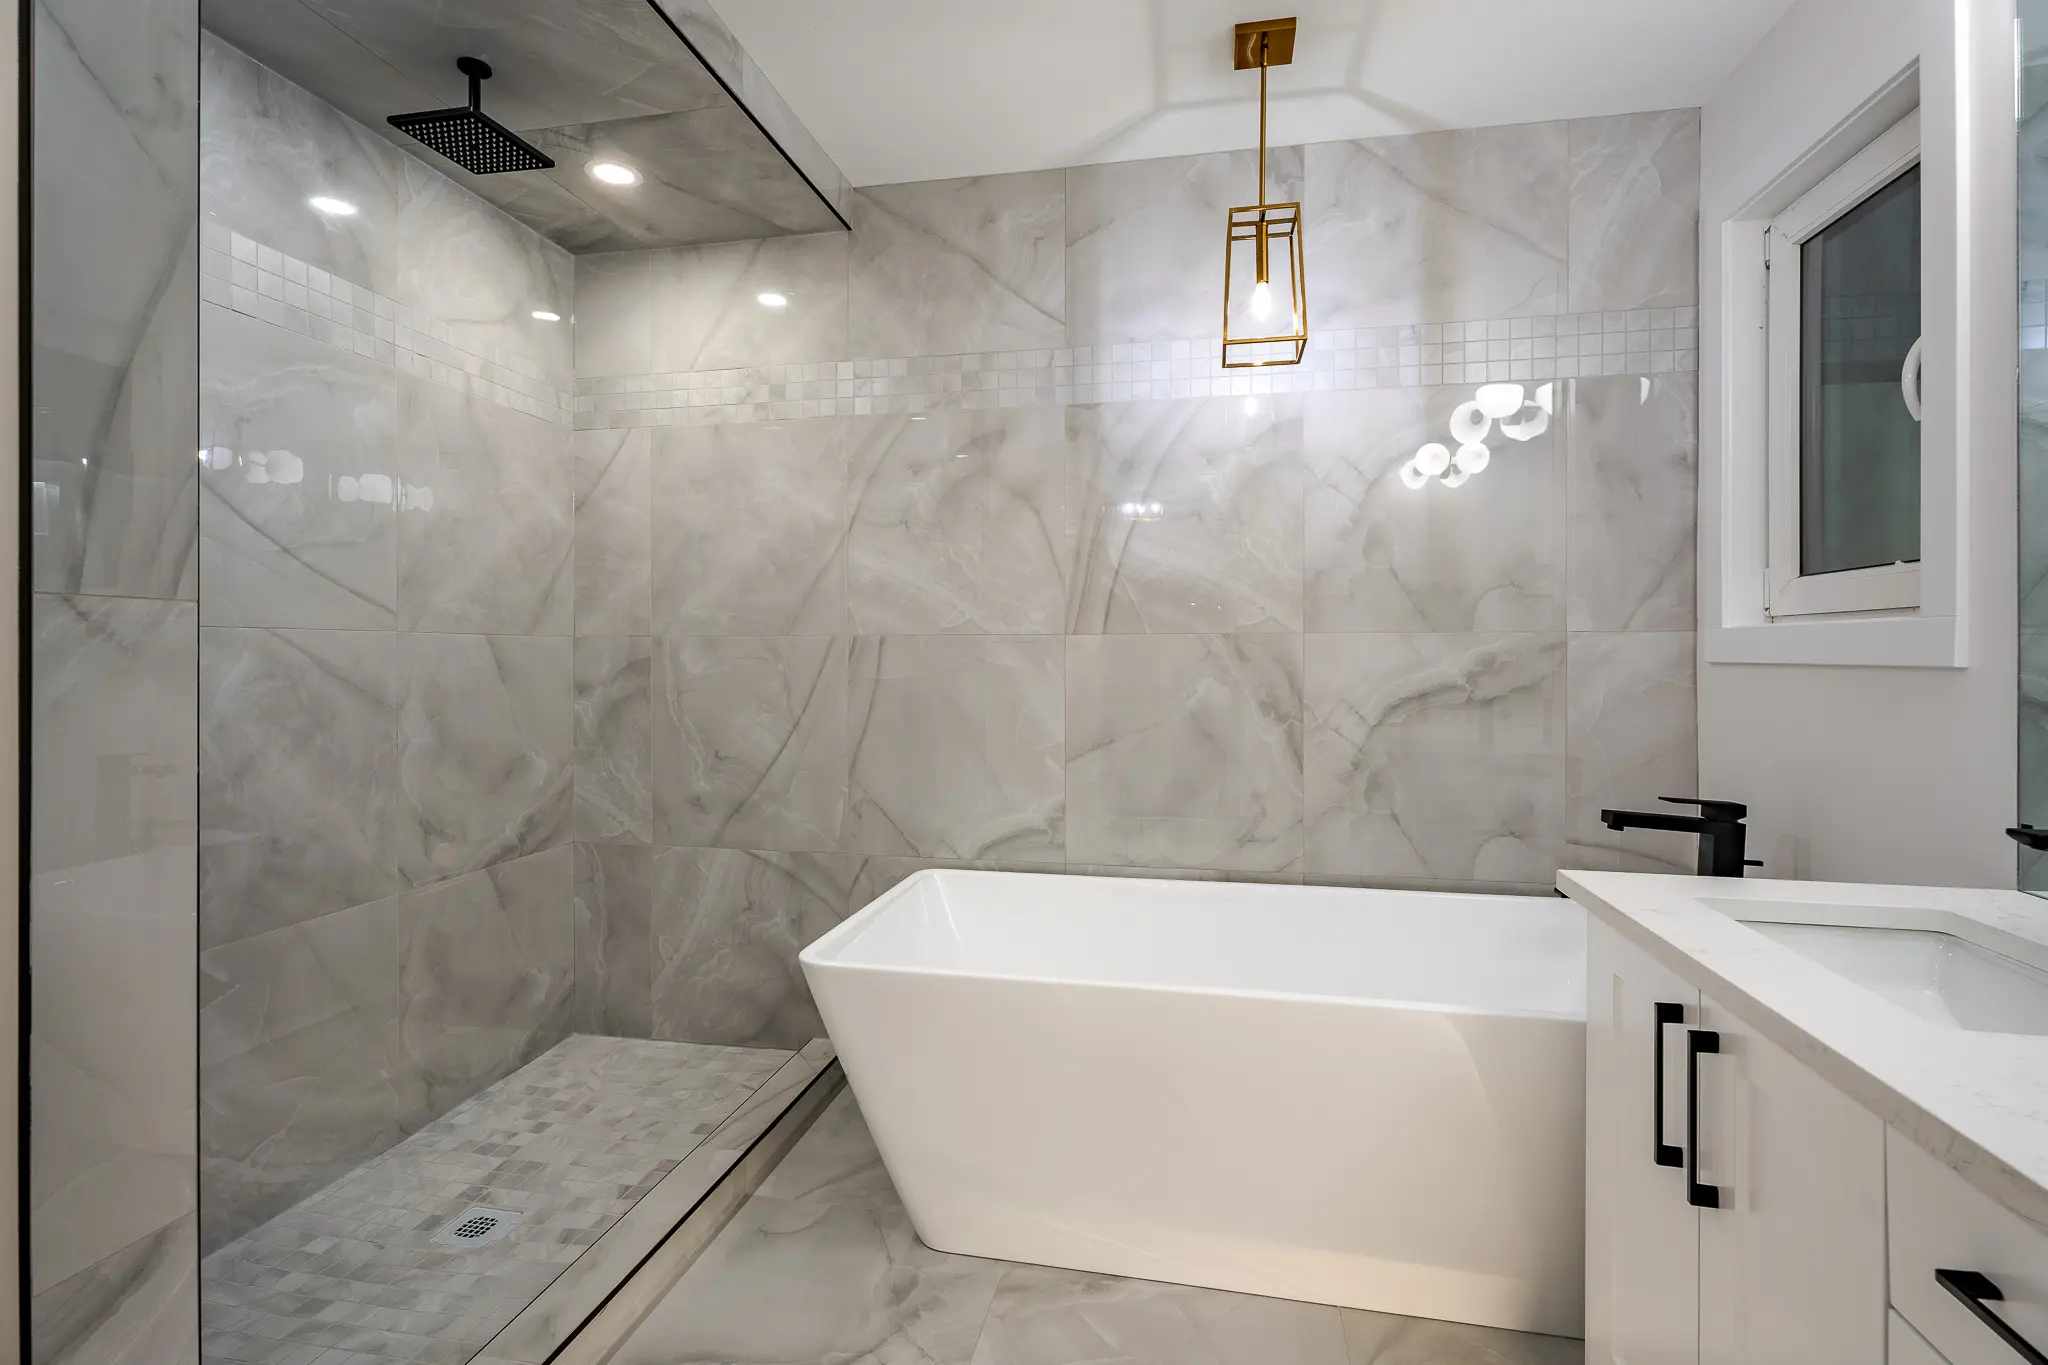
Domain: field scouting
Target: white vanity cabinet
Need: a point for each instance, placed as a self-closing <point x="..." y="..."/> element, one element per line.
<point x="1754" y="1232"/>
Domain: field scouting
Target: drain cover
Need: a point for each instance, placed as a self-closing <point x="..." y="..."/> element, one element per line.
<point x="476" y="1227"/>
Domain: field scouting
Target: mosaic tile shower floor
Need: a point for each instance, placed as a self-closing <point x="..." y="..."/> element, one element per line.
<point x="821" y="1267"/>
<point x="354" y="1275"/>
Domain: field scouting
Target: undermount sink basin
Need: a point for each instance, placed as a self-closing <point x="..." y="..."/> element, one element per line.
<point x="1937" y="976"/>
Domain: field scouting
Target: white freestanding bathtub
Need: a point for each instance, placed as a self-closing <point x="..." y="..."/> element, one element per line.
<point x="1374" y="1099"/>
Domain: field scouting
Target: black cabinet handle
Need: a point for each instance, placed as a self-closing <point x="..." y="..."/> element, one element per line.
<point x="2029" y="836"/>
<point x="1975" y="1290"/>
<point x="1699" y="1196"/>
<point x="1667" y="1155"/>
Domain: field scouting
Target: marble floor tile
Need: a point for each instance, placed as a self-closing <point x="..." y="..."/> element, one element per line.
<point x="957" y="744"/>
<point x="959" y="523"/>
<point x="948" y="266"/>
<point x="614" y="555"/>
<point x="1139" y="231"/>
<point x="1634" y="738"/>
<point x="112" y="750"/>
<point x="485" y="518"/>
<point x="789" y="1281"/>
<point x="750" y="528"/>
<point x="1438" y="227"/>
<point x="728" y="926"/>
<point x="1381" y="556"/>
<point x="750" y="745"/>
<point x="485" y="749"/>
<point x="614" y="940"/>
<point x="1185" y="751"/>
<point x="1435" y="757"/>
<point x="485" y="974"/>
<point x="137" y="1307"/>
<point x="1384" y="1339"/>
<point x="708" y="314"/>
<point x="1635" y="211"/>
<point x="614" y="739"/>
<point x="300" y="1078"/>
<point x="1186" y="515"/>
<point x="299" y="791"/>
<point x="835" y="1163"/>
<point x="1632" y="491"/>
<point x="298" y="516"/>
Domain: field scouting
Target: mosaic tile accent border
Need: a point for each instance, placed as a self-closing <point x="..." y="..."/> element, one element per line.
<point x="1643" y="341"/>
<point x="262" y="282"/>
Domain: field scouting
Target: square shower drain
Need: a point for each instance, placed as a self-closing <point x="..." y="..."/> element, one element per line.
<point x="477" y="1227"/>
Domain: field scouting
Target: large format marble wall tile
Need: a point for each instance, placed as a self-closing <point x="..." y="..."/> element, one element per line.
<point x="1435" y="757"/>
<point x="299" y="519"/>
<point x="113" y="751"/>
<point x="301" y="1077"/>
<point x="1635" y="211"/>
<point x="750" y="747"/>
<point x="947" y="266"/>
<point x="417" y="236"/>
<point x="614" y="564"/>
<point x="485" y="746"/>
<point x="750" y="528"/>
<point x="614" y="726"/>
<point x="960" y="523"/>
<point x="613" y="942"/>
<point x="111" y="1055"/>
<point x="728" y="926"/>
<point x="1634" y="738"/>
<point x="139" y="1304"/>
<point x="486" y="516"/>
<point x="1185" y="751"/>
<point x="114" y="293"/>
<point x="1145" y="242"/>
<point x="957" y="745"/>
<point x="1384" y="557"/>
<point x="1633" y="484"/>
<point x="485" y="971"/>
<point x="614" y="323"/>
<point x="299" y="780"/>
<point x="1438" y="227"/>
<point x="1187" y="515"/>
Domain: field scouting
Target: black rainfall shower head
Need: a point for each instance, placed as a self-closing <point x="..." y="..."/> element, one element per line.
<point x="468" y="136"/>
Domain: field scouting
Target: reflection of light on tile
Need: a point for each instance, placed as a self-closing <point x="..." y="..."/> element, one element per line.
<point x="1143" y="511"/>
<point x="273" y="466"/>
<point x="332" y="207"/>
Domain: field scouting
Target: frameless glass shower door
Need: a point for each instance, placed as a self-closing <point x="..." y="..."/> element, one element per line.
<point x="2033" y="452"/>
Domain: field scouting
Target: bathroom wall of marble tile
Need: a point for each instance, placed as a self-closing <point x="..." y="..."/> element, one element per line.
<point x="964" y="554"/>
<point x="385" y="660"/>
<point x="112" y="663"/>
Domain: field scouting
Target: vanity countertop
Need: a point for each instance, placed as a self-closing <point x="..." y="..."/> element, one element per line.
<point x="1977" y="1101"/>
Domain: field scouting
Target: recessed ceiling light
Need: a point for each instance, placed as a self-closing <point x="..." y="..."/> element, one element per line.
<point x="543" y="315"/>
<point x="340" y="208"/>
<point x="614" y="173"/>
<point x="771" y="299"/>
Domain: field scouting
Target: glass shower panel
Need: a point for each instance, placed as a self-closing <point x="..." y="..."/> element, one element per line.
<point x="2033" y="430"/>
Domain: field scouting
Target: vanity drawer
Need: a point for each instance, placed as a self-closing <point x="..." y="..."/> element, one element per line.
<point x="1939" y="1221"/>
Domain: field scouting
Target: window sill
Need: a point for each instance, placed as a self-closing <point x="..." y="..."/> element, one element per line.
<point x="1883" y="642"/>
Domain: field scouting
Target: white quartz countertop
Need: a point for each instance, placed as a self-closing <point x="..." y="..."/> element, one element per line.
<point x="1977" y="1101"/>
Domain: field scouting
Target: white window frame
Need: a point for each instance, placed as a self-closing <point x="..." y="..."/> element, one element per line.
<point x="1790" y="593"/>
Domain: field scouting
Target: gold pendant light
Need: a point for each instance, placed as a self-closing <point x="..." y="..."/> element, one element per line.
<point x="1265" y="301"/>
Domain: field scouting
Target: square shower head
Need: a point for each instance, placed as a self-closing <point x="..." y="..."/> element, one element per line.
<point x="471" y="138"/>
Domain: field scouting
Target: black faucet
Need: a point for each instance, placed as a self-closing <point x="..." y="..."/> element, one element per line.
<point x="1719" y="825"/>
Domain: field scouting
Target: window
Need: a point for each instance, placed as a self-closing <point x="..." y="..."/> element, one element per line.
<point x="1843" y="271"/>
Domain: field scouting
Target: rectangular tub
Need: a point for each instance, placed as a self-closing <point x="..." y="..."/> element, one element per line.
<point x="1374" y="1099"/>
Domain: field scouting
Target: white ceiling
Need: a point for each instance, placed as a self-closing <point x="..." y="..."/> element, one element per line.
<point x="925" y="89"/>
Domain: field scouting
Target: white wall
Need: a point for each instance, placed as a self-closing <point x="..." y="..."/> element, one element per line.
<point x="1860" y="773"/>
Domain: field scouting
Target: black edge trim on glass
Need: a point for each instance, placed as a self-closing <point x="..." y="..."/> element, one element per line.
<point x="24" y="526"/>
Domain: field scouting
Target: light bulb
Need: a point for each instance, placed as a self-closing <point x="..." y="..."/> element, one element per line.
<point x="1469" y="424"/>
<point x="1456" y="478"/>
<point x="1473" y="458"/>
<point x="1412" y="476"/>
<point x="614" y="173"/>
<point x="1262" y="301"/>
<point x="1433" y="459"/>
<point x="1499" y="400"/>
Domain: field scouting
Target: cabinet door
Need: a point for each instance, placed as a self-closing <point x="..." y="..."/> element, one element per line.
<point x="1642" y="1238"/>
<point x="1792" y="1262"/>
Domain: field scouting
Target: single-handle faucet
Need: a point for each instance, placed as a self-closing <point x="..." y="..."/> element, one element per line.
<point x="1719" y="825"/>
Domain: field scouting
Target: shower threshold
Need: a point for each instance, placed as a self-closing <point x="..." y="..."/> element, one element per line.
<point x="495" y="1232"/>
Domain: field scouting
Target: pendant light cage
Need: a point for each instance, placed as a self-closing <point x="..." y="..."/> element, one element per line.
<point x="1265" y="285"/>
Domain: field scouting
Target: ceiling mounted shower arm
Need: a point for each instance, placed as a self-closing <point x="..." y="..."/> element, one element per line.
<point x="478" y="70"/>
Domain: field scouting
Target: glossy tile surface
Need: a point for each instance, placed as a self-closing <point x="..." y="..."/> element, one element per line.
<point x="1634" y="704"/>
<point x="614" y="565"/>
<point x="614" y="739"/>
<point x="611" y="938"/>
<point x="1635" y="208"/>
<point x="1632" y="455"/>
